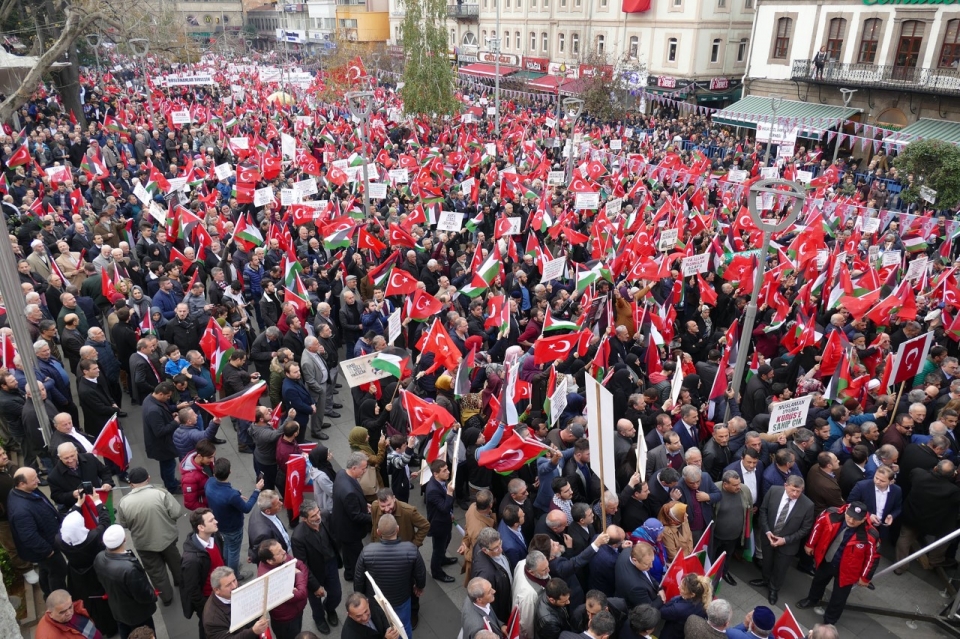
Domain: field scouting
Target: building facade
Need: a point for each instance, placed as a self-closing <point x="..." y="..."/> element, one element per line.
<point x="688" y="47"/>
<point x="900" y="59"/>
<point x="204" y="20"/>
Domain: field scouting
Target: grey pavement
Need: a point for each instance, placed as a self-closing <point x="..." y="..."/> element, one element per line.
<point x="440" y="603"/>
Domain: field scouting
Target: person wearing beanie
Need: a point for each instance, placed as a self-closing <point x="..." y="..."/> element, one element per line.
<point x="677" y="537"/>
<point x="130" y="595"/>
<point x="651" y="534"/>
<point x="758" y="622"/>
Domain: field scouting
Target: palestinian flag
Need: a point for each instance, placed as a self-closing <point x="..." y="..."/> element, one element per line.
<point x="338" y="239"/>
<point x="550" y="324"/>
<point x="297" y="295"/>
<point x="217" y="349"/>
<point x="247" y="233"/>
<point x="390" y="363"/>
<point x="551" y="389"/>
<point x="381" y="274"/>
<point x="915" y="245"/>
<point x="749" y="537"/>
<point x="242" y="405"/>
<point x="472" y="224"/>
<point x="485" y="275"/>
<point x="462" y="378"/>
<point x="585" y="278"/>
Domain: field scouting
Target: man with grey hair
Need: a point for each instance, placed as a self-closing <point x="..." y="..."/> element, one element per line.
<point x="700" y="496"/>
<point x="49" y="367"/>
<point x="217" y="613"/>
<point x="315" y="377"/>
<point x="491" y="564"/>
<point x="824" y="631"/>
<point x="72" y="469"/>
<point x="264" y="349"/>
<point x="719" y="614"/>
<point x="529" y="576"/>
<point x="477" y="612"/>
<point x="397" y="568"/>
<point x="350" y="521"/>
<point x="265" y="523"/>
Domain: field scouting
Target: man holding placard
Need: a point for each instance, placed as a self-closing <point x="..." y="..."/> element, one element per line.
<point x="216" y="612"/>
<point x="366" y="620"/>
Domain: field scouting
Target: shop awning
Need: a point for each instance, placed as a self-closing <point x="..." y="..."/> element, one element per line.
<point x="733" y="94"/>
<point x="575" y="87"/>
<point x="811" y="118"/>
<point x="930" y="129"/>
<point x="487" y="70"/>
<point x="548" y="83"/>
<point x="527" y="76"/>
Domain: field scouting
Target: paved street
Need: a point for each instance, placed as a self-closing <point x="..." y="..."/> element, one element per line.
<point x="440" y="604"/>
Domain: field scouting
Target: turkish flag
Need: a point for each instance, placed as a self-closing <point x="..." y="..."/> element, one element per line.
<point x="398" y="237"/>
<point x="76" y="200"/>
<point x="271" y="166"/>
<point x="400" y="283"/>
<point x="911" y="357"/>
<point x="302" y="214"/>
<point x="512" y="453"/>
<point x="309" y="165"/>
<point x="579" y="185"/>
<point x="787" y="626"/>
<point x="551" y="349"/>
<point x="501" y="228"/>
<point x="336" y="176"/>
<point x="112" y="445"/>
<point x="247" y="174"/>
<point x="421" y="414"/>
<point x="368" y="241"/>
<point x="425" y="305"/>
<point x="438" y="342"/>
<point x="680" y="567"/>
<point x="19" y="157"/>
<point x="296" y="470"/>
<point x="242" y="405"/>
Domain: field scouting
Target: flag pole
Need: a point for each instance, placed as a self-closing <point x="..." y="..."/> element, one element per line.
<point x="603" y="484"/>
<point x="896" y="404"/>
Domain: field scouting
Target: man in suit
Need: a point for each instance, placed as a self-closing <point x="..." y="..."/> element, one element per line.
<point x="144" y="372"/>
<point x="477" y="612"/>
<point x="602" y="626"/>
<point x="581" y="529"/>
<point x="490" y="564"/>
<point x="585" y="483"/>
<point x="362" y="613"/>
<point x="351" y="519"/>
<point x="667" y="455"/>
<point x="883" y="498"/>
<point x="853" y="470"/>
<point x="519" y="496"/>
<point x="439" y="500"/>
<point x="264" y="524"/>
<point x="822" y="486"/>
<point x="655" y="437"/>
<point x="216" y="612"/>
<point x="686" y="428"/>
<point x="313" y="544"/>
<point x="635" y="584"/>
<point x="750" y="469"/>
<point x="313" y="372"/>
<point x="663" y="489"/>
<point x="719" y="614"/>
<point x="95" y="400"/>
<point x="700" y="496"/>
<point x="783" y="522"/>
<point x="511" y="534"/>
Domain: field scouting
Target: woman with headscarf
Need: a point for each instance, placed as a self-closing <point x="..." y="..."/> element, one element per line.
<point x="80" y="547"/>
<point x="140" y="303"/>
<point x="651" y="534"/>
<point x="492" y="390"/>
<point x="575" y="405"/>
<point x="677" y="537"/>
<point x="321" y="473"/>
<point x="359" y="440"/>
<point x="445" y="397"/>
<point x="622" y="387"/>
<point x="370" y="415"/>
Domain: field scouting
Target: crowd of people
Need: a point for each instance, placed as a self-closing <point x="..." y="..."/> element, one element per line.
<point x="140" y="290"/>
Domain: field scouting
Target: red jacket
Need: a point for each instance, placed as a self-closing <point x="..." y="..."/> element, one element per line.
<point x="193" y="482"/>
<point x="860" y="555"/>
<point x="292" y="608"/>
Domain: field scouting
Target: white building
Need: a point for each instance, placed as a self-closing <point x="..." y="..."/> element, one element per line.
<point x="697" y="45"/>
<point x="902" y="59"/>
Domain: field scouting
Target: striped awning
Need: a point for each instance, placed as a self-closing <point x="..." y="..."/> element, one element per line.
<point x="811" y="118"/>
<point x="930" y="129"/>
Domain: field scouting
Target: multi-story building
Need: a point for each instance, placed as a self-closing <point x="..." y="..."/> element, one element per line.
<point x="688" y="47"/>
<point x="365" y="21"/>
<point x="204" y="20"/>
<point x="900" y="57"/>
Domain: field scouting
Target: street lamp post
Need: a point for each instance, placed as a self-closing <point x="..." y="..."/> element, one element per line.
<point x="573" y="107"/>
<point x="94" y="40"/>
<point x="360" y="104"/>
<point x="495" y="47"/>
<point x="139" y="47"/>
<point x="796" y="192"/>
<point x="561" y="72"/>
<point x="847" y="97"/>
<point x="775" y="103"/>
<point x="375" y="78"/>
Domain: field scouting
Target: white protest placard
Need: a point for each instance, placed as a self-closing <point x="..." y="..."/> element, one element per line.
<point x="587" y="201"/>
<point x="240" y="143"/>
<point x="927" y="194"/>
<point x="258" y="596"/>
<point x="157" y="212"/>
<point x="872" y="253"/>
<point x="142" y="194"/>
<point x="393" y="326"/>
<point x="180" y="117"/>
<point x="264" y="196"/>
<point x="616" y="145"/>
<point x="288" y="146"/>
<point x="177" y="184"/>
<point x="378" y="595"/>
<point x="223" y="171"/>
<point x="466" y="187"/>
<point x="359" y="371"/>
<point x="288" y="197"/>
<point x="614" y="205"/>
<point x="668" y="239"/>
<point x="822" y="257"/>
<point x="491" y="110"/>
<point x="450" y="221"/>
<point x="890" y="258"/>
<point x="58" y="173"/>
<point x="490" y="149"/>
<point x="556" y="178"/>
<point x="917" y="268"/>
<point x="378" y="190"/>
<point x="306" y="187"/>
<point x="628" y="133"/>
<point x="804" y="177"/>
<point x="769" y="173"/>
<point x="550" y="122"/>
<point x="737" y="176"/>
<point x="558" y="401"/>
<point x="514" y="226"/>
<point x="553" y="268"/>
<point x="467" y="118"/>
<point x="695" y="264"/>
<point x="870" y="224"/>
<point x="789" y="414"/>
<point x="399" y="176"/>
<point x="599" y="416"/>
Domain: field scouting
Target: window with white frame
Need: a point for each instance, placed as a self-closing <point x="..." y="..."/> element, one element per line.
<point x="634" y="47"/>
<point x="715" y="51"/>
<point x="721" y="4"/>
<point x="742" y="49"/>
<point x="601" y="44"/>
<point x="561" y="43"/>
<point x="533" y="41"/>
<point x="672" y="50"/>
<point x="544" y="43"/>
<point x="575" y="43"/>
<point x="506" y="40"/>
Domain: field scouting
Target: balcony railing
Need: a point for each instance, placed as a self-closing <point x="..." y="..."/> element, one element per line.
<point x="464" y="11"/>
<point x="879" y="76"/>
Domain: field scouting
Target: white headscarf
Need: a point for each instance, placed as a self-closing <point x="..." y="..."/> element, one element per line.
<point x="73" y="531"/>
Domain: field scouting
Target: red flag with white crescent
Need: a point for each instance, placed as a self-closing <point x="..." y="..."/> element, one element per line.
<point x="112" y="445"/>
<point x="296" y="470"/>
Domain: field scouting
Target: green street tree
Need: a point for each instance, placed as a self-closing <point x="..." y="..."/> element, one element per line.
<point x="934" y="164"/>
<point x="427" y="74"/>
<point x="604" y="94"/>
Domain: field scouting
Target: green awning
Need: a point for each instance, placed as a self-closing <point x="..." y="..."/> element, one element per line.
<point x="733" y="94"/>
<point x="812" y="118"/>
<point x="930" y="129"/>
<point x="526" y="76"/>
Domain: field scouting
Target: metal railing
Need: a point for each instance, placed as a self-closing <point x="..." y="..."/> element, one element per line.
<point x="463" y="11"/>
<point x="940" y="81"/>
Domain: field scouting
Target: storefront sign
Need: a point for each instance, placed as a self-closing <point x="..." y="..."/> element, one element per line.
<point x="505" y="58"/>
<point x="466" y="59"/>
<point x="666" y="82"/>
<point x="540" y="65"/>
<point x="719" y="84"/>
<point x="573" y="71"/>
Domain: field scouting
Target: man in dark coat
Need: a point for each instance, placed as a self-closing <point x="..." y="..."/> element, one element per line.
<point x="159" y="424"/>
<point x="361" y="612"/>
<point x="490" y="563"/>
<point x="130" y="595"/>
<point x="260" y="528"/>
<point x="97" y="404"/>
<point x="144" y="371"/>
<point x="182" y="330"/>
<point x="350" y="521"/>
<point x="314" y="545"/>
<point x="439" y="500"/>
<point x="196" y="563"/>
<point x="109" y="364"/>
<point x="35" y="522"/>
<point x="754" y="400"/>
<point x="216" y="612"/>
<point x="72" y="469"/>
<point x="933" y="493"/>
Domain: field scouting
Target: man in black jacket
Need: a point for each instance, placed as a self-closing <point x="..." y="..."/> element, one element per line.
<point x="314" y="545"/>
<point x="490" y="563"/>
<point x="159" y="424"/>
<point x="754" y="400"/>
<point x="550" y="617"/>
<point x="361" y="614"/>
<point x="144" y="370"/>
<point x="264" y="525"/>
<point x="351" y="327"/>
<point x="351" y="520"/>
<point x="397" y="568"/>
<point x="71" y="471"/>
<point x="234" y="380"/>
<point x="129" y="593"/>
<point x="97" y="404"/>
<point x="182" y="330"/>
<point x="265" y="348"/>
<point x="199" y="550"/>
<point x="439" y="500"/>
